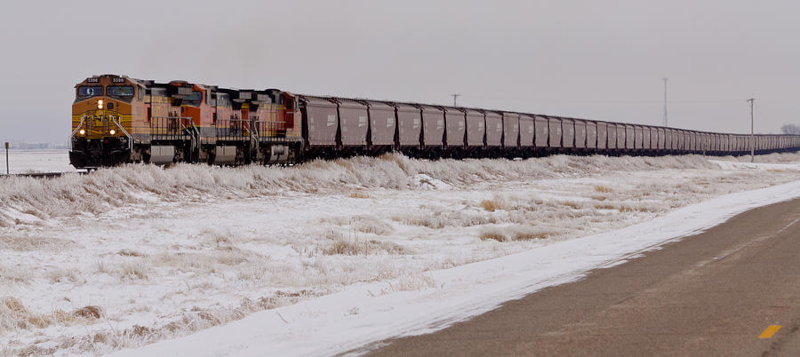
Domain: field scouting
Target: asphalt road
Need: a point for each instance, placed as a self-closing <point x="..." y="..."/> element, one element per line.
<point x="713" y="294"/>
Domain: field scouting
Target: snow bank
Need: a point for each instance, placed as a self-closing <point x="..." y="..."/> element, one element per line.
<point x="774" y="158"/>
<point x="27" y="199"/>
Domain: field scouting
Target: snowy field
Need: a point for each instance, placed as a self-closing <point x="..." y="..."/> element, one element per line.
<point x="36" y="161"/>
<point x="128" y="256"/>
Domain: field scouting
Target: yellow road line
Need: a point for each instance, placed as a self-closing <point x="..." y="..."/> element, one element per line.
<point x="770" y="331"/>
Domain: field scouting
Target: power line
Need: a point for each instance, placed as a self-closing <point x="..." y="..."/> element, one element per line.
<point x="610" y="101"/>
<point x="752" y="142"/>
<point x="665" y="102"/>
<point x="455" y="97"/>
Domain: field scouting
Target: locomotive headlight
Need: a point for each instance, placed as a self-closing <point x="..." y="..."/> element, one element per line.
<point x="82" y="132"/>
<point x="100" y="104"/>
<point x="112" y="132"/>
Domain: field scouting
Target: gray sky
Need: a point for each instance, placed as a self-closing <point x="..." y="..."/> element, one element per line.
<point x="591" y="59"/>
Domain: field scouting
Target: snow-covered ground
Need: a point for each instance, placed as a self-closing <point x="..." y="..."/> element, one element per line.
<point x="33" y="161"/>
<point x="352" y="321"/>
<point x="131" y="255"/>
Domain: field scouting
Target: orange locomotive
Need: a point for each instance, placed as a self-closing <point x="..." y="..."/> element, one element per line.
<point x="116" y="119"/>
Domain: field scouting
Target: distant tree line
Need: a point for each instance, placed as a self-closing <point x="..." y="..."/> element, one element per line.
<point x="790" y="129"/>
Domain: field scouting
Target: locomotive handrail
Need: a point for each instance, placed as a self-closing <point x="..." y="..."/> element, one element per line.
<point x="105" y="123"/>
<point x="130" y="138"/>
<point x="254" y="129"/>
<point x="169" y="128"/>
<point x="78" y="128"/>
<point x="234" y="129"/>
<point x="90" y="123"/>
<point x="194" y="134"/>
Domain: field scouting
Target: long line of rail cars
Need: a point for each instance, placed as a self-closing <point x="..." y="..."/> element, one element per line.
<point x="117" y="119"/>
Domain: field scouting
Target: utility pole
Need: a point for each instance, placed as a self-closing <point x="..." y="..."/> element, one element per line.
<point x="752" y="141"/>
<point x="7" y="171"/>
<point x="455" y="96"/>
<point x="665" y="102"/>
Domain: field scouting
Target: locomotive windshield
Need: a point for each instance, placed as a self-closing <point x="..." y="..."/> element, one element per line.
<point x="89" y="91"/>
<point x="120" y="91"/>
<point x="193" y="99"/>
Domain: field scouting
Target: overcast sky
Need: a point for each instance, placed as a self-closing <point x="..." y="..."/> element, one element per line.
<point x="590" y="59"/>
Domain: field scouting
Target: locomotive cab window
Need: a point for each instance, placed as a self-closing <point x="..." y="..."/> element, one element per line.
<point x="120" y="92"/>
<point x="193" y="99"/>
<point x="90" y="91"/>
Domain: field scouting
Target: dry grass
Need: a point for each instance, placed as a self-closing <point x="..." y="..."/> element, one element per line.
<point x="493" y="235"/>
<point x="15" y="275"/>
<point x="233" y="257"/>
<point x="135" y="270"/>
<point x="390" y="247"/>
<point x="438" y="219"/>
<point x="370" y="224"/>
<point x="341" y="245"/>
<point x="515" y="233"/>
<point x="253" y="271"/>
<point x="101" y="267"/>
<point x="362" y="223"/>
<point x="532" y="233"/>
<point x="494" y="204"/>
<point x="344" y="246"/>
<point x="607" y="205"/>
<point x="36" y="351"/>
<point x="628" y="206"/>
<point x="360" y="195"/>
<point x="63" y="275"/>
<point x="572" y="204"/>
<point x="14" y="315"/>
<point x="184" y="262"/>
<point x="130" y="253"/>
<point x="89" y="312"/>
<point x="32" y="243"/>
<point x="220" y="239"/>
<point x="193" y="320"/>
<point x="432" y="221"/>
<point x="603" y="189"/>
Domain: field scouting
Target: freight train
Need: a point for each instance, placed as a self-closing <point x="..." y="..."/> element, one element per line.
<point x="117" y="119"/>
